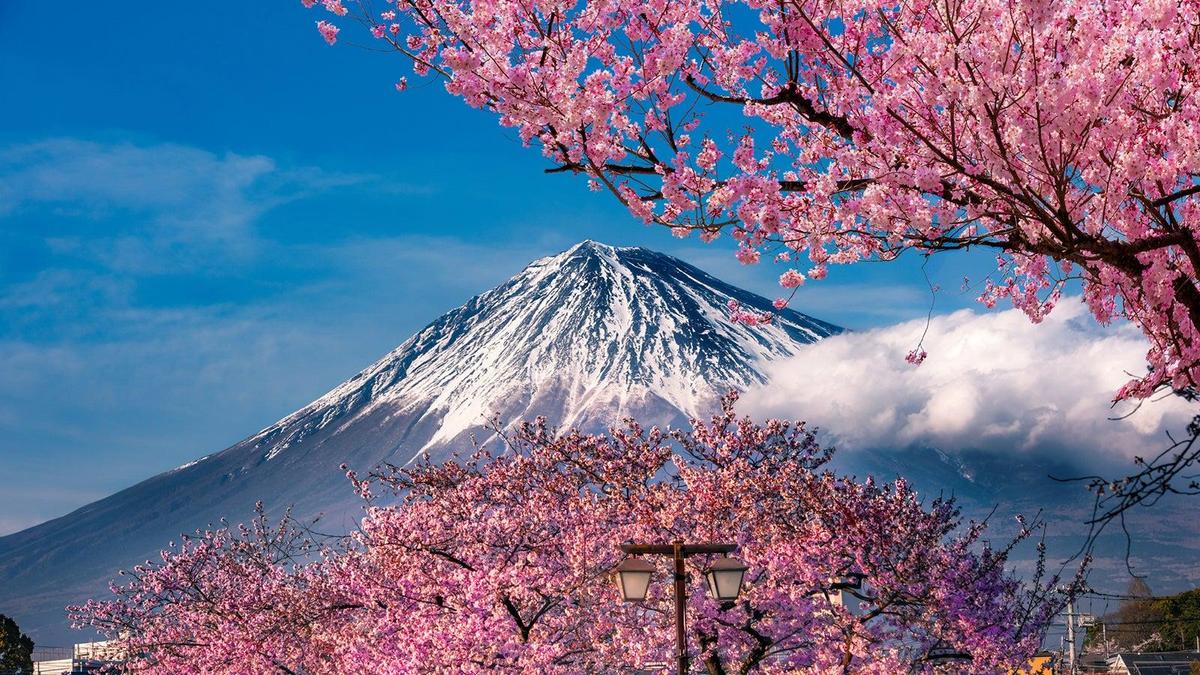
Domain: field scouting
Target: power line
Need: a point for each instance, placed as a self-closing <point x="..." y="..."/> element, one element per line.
<point x="1148" y="622"/>
<point x="1119" y="596"/>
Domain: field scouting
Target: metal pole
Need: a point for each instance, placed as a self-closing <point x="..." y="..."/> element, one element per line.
<point x="680" y="609"/>
<point x="678" y="552"/>
<point x="1071" y="635"/>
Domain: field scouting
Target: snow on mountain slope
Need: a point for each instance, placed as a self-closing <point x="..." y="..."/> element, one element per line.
<point x="584" y="337"/>
<point x="600" y="326"/>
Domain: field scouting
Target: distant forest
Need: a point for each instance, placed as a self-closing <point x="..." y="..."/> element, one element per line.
<point x="1143" y="622"/>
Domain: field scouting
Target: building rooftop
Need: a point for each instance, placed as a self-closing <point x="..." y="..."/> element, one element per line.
<point x="1155" y="663"/>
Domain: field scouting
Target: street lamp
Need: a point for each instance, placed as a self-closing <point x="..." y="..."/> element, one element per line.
<point x="942" y="653"/>
<point x="724" y="581"/>
<point x="633" y="579"/>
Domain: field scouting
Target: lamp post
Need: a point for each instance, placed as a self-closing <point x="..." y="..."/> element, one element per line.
<point x="943" y="653"/>
<point x="724" y="579"/>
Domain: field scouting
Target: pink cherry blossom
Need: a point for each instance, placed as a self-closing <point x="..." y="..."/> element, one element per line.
<point x="1064" y="136"/>
<point x="791" y="279"/>
<point x="503" y="562"/>
<point x="328" y="31"/>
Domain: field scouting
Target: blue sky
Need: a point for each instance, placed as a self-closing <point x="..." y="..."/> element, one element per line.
<point x="208" y="217"/>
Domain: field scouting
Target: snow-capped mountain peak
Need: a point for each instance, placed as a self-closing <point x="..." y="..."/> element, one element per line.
<point x="593" y="332"/>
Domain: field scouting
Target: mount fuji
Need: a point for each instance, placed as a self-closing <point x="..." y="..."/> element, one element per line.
<point x="584" y="337"/>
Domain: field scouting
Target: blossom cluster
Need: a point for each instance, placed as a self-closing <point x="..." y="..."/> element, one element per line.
<point x="1063" y="135"/>
<point x="504" y="563"/>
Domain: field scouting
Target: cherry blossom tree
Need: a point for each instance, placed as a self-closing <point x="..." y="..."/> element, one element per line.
<point x="504" y="562"/>
<point x="1065" y="136"/>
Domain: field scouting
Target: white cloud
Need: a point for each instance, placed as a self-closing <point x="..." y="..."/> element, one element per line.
<point x="176" y="204"/>
<point x="992" y="382"/>
<point x="124" y="175"/>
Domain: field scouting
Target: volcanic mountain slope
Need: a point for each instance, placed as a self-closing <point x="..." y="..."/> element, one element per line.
<point x="584" y="337"/>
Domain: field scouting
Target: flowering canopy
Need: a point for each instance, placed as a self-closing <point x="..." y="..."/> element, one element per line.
<point x="503" y="563"/>
<point x="1063" y="134"/>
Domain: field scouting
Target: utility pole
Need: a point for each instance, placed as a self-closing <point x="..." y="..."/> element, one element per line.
<point x="1071" y="635"/>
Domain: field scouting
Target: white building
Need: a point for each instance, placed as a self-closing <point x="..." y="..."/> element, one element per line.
<point x="82" y="658"/>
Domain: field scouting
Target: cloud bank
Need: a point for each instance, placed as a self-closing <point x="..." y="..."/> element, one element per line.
<point x="992" y="382"/>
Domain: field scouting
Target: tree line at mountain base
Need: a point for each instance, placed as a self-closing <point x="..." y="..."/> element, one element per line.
<point x="1143" y="622"/>
<point x="16" y="649"/>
